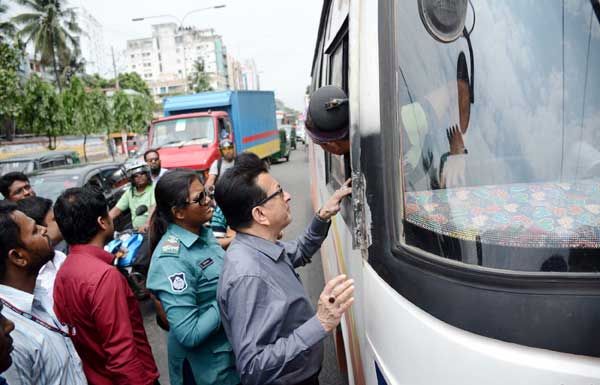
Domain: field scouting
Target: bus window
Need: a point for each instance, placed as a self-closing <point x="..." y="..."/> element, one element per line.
<point x="503" y="172"/>
<point x="338" y="166"/>
<point x="337" y="14"/>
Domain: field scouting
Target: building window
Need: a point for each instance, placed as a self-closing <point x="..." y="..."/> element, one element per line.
<point x="133" y="56"/>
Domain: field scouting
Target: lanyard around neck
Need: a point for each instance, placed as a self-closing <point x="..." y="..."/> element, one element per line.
<point x="38" y="321"/>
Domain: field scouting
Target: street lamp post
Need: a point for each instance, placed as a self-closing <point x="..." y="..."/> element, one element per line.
<point x="180" y="28"/>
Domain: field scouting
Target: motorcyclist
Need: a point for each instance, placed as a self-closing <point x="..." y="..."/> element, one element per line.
<point x="139" y="199"/>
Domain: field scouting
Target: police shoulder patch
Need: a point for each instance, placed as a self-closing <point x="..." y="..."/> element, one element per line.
<point x="178" y="282"/>
<point x="171" y="245"/>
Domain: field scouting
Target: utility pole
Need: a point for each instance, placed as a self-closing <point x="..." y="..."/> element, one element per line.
<point x="112" y="49"/>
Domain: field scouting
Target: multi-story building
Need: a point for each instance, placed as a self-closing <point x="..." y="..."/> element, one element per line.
<point x="167" y="58"/>
<point x="91" y="43"/>
<point x="243" y="76"/>
<point x="235" y="73"/>
<point x="250" y="75"/>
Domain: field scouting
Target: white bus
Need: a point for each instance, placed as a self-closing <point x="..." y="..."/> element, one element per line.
<point x="473" y="230"/>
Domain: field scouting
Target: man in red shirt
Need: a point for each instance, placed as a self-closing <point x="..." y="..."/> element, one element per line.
<point x="93" y="297"/>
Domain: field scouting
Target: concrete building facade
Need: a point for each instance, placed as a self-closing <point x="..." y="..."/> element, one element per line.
<point x="91" y="42"/>
<point x="250" y="76"/>
<point x="168" y="57"/>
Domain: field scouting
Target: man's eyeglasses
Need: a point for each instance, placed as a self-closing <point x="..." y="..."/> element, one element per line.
<point x="152" y="160"/>
<point x="138" y="174"/>
<point x="268" y="198"/>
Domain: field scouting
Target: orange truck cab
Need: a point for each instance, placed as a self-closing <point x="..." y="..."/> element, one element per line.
<point x="189" y="134"/>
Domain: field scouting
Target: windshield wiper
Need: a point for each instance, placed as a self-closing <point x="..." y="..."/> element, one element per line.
<point x="170" y="143"/>
<point x="191" y="140"/>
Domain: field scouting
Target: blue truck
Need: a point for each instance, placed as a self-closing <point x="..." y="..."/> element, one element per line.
<point x="193" y="125"/>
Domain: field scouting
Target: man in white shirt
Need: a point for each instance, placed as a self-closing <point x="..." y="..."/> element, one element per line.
<point x="219" y="166"/>
<point x="43" y="350"/>
<point x="152" y="159"/>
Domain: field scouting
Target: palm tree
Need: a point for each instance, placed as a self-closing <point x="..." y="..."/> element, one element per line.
<point x="53" y="30"/>
<point x="75" y="65"/>
<point x="200" y="78"/>
<point x="7" y="29"/>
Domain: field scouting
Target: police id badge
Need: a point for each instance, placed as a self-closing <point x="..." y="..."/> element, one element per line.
<point x="178" y="282"/>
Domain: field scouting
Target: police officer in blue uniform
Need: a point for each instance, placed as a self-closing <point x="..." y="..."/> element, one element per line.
<point x="184" y="272"/>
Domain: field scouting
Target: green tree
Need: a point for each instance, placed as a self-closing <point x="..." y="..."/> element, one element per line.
<point x="122" y="112"/>
<point x="97" y="81"/>
<point x="52" y="28"/>
<point x="101" y="116"/>
<point x="143" y="107"/>
<point x="86" y="112"/>
<point x="10" y="88"/>
<point x="200" y="79"/>
<point x="42" y="110"/>
<point x="7" y="29"/>
<point x="74" y="103"/>
<point x="133" y="81"/>
<point x="73" y="66"/>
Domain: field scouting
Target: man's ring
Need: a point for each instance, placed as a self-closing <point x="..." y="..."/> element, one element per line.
<point x="331" y="299"/>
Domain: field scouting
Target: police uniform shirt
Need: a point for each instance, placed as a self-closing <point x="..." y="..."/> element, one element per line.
<point x="183" y="274"/>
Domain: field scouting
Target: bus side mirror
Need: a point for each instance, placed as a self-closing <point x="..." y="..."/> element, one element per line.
<point x="328" y="109"/>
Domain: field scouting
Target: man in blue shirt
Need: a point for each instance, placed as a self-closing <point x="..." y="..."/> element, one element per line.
<point x="266" y="313"/>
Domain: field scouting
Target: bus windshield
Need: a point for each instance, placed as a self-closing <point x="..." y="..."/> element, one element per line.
<point x="176" y="132"/>
<point x="500" y="135"/>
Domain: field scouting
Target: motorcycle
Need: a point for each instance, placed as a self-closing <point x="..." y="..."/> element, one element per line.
<point x="126" y="247"/>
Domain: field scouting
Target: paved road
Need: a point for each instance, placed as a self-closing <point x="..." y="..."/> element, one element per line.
<point x="293" y="176"/>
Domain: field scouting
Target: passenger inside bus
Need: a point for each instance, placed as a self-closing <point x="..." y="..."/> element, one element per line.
<point x="419" y="146"/>
<point x="453" y="163"/>
<point x="333" y="134"/>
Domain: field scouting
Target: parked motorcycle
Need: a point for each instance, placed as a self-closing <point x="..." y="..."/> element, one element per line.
<point x="125" y="247"/>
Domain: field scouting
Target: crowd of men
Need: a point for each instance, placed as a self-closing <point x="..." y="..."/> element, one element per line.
<point x="73" y="319"/>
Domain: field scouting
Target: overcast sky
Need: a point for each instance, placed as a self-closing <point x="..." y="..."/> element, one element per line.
<point x="278" y="34"/>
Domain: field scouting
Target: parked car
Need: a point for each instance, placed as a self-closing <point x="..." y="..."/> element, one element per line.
<point x="284" y="146"/>
<point x="109" y="177"/>
<point x="32" y="162"/>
